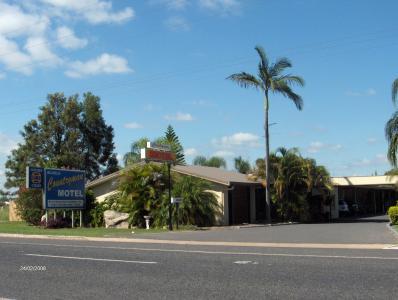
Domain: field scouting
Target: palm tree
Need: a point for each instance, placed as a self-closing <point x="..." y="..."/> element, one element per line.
<point x="242" y="165"/>
<point x="270" y="78"/>
<point x="391" y="130"/>
<point x="134" y="156"/>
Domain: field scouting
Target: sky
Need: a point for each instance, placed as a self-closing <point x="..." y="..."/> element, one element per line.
<point x="160" y="62"/>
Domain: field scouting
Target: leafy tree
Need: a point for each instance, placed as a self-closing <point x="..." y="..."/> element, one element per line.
<point x="134" y="156"/>
<point x="29" y="206"/>
<point x="97" y="139"/>
<point x="392" y="172"/>
<point x="270" y="79"/>
<point x="242" y="165"/>
<point x="214" y="161"/>
<point x="66" y="134"/>
<point x="143" y="192"/>
<point x="198" y="206"/>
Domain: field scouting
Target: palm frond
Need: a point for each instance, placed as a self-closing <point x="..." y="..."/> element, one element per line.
<point x="245" y="80"/>
<point x="282" y="87"/>
<point x="292" y="80"/>
<point x="263" y="56"/>
<point x="279" y="66"/>
<point x="394" y="91"/>
<point x="391" y="132"/>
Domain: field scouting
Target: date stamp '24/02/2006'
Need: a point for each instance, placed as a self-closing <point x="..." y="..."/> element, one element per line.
<point x="32" y="268"/>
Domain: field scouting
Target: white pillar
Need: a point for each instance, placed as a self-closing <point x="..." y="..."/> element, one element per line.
<point x="73" y="216"/>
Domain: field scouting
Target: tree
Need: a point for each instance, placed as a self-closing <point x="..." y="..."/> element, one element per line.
<point x="293" y="181"/>
<point x="198" y="206"/>
<point x="97" y="139"/>
<point x="391" y="129"/>
<point x="143" y="192"/>
<point x="67" y="133"/>
<point x="134" y="156"/>
<point x="214" y="161"/>
<point x="242" y="165"/>
<point x="171" y="139"/>
<point x="271" y="78"/>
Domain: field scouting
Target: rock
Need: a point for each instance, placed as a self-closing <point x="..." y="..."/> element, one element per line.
<point x="115" y="219"/>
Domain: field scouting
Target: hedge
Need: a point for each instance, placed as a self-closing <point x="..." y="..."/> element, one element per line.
<point x="393" y="214"/>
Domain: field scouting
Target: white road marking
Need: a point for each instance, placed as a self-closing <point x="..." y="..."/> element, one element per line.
<point x="246" y="262"/>
<point x="207" y="252"/>
<point x="393" y="247"/>
<point x="95" y="259"/>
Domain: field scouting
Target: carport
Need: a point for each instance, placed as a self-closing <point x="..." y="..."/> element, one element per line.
<point x="364" y="195"/>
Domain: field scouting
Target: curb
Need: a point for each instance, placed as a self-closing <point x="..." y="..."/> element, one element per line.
<point x="394" y="232"/>
<point x="208" y="243"/>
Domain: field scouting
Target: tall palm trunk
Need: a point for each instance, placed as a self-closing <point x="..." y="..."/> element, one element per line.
<point x="267" y="168"/>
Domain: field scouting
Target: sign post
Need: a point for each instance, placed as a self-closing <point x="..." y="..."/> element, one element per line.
<point x="161" y="153"/>
<point x="177" y="202"/>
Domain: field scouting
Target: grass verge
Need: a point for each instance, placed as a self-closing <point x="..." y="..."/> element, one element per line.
<point x="23" y="228"/>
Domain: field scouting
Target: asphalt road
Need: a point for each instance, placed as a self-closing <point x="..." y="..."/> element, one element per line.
<point x="91" y="270"/>
<point x="354" y="232"/>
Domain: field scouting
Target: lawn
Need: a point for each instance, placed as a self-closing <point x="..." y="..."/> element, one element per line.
<point x="23" y="228"/>
<point x="4" y="213"/>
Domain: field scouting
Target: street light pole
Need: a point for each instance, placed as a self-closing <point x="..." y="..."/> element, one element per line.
<point x="170" y="205"/>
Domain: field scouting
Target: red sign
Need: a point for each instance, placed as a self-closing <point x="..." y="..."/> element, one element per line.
<point x="158" y="155"/>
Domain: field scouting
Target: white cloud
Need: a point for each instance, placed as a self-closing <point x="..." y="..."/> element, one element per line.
<point x="27" y="30"/>
<point x="223" y="7"/>
<point x="177" y="24"/>
<point x="15" y="22"/>
<point x="103" y="64"/>
<point x="317" y="146"/>
<point x="371" y="141"/>
<point x="119" y="157"/>
<point x="68" y="40"/>
<point x="94" y="11"/>
<point x="6" y="144"/>
<point x="377" y="160"/>
<point x="237" y="139"/>
<point x="179" y="117"/>
<point x="132" y="125"/>
<point x="38" y="48"/>
<point x="172" y="4"/>
<point x="367" y="93"/>
<point x="190" y="152"/>
<point x="2" y="75"/>
<point x="13" y="58"/>
<point x="224" y="153"/>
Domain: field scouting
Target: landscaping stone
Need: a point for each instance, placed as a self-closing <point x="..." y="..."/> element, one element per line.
<point x="115" y="219"/>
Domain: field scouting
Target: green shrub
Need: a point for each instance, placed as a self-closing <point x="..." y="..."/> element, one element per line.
<point x="29" y="206"/>
<point x="97" y="209"/>
<point x="393" y="214"/>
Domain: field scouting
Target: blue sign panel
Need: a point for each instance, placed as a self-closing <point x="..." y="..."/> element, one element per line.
<point x="34" y="178"/>
<point x="64" y="189"/>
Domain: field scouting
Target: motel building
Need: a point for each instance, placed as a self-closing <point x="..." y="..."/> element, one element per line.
<point x="242" y="200"/>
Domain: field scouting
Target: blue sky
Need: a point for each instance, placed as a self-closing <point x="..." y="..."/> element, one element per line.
<point x="160" y="62"/>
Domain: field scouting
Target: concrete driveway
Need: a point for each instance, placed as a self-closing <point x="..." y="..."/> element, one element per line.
<point x="330" y="233"/>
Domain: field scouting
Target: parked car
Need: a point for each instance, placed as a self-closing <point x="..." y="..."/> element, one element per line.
<point x="343" y="207"/>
